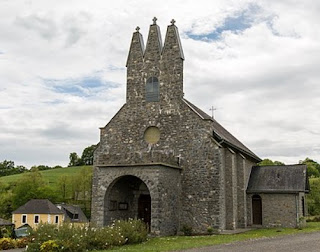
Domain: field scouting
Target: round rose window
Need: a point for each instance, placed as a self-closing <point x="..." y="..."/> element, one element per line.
<point x="152" y="135"/>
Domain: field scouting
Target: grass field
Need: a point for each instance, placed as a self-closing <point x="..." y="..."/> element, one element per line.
<point x="161" y="244"/>
<point x="51" y="175"/>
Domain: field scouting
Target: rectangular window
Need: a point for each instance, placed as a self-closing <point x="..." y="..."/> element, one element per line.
<point x="36" y="219"/>
<point x="24" y="219"/>
<point x="56" y="219"/>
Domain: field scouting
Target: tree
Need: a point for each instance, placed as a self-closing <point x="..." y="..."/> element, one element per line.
<point x="6" y="168"/>
<point x="5" y="201"/>
<point x="87" y="155"/>
<point x="31" y="186"/>
<point x="63" y="184"/>
<point x="313" y="198"/>
<point x="313" y="168"/>
<point x="74" y="159"/>
<point x="81" y="188"/>
<point x="267" y="161"/>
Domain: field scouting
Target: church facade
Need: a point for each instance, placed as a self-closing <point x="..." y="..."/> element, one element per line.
<point x="162" y="159"/>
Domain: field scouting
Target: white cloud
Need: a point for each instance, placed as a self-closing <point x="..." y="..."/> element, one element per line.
<point x="263" y="79"/>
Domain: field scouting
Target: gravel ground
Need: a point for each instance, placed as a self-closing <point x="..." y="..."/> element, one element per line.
<point x="309" y="242"/>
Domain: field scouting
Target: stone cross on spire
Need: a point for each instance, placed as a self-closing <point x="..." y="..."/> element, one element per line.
<point x="154" y="20"/>
<point x="173" y="21"/>
<point x="138" y="28"/>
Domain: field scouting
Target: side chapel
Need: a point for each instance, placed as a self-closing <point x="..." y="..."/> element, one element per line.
<point x="162" y="159"/>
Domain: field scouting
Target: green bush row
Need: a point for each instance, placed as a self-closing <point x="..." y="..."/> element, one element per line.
<point x="74" y="238"/>
<point x="9" y="243"/>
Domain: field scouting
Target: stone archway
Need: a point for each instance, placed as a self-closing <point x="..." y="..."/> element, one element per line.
<point x="127" y="197"/>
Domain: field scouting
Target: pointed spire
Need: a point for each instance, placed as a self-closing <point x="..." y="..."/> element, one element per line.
<point x="136" y="48"/>
<point x="154" y="42"/>
<point x="172" y="41"/>
<point x="134" y="66"/>
<point x="172" y="62"/>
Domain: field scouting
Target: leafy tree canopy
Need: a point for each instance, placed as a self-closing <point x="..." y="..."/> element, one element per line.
<point x="87" y="155"/>
<point x="267" y="161"/>
<point x="31" y="186"/>
<point x="7" y="167"/>
<point x="313" y="167"/>
<point x="74" y="159"/>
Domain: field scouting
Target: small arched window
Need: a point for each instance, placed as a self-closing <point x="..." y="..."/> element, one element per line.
<point x="152" y="89"/>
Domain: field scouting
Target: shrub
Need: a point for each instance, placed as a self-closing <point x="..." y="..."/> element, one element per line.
<point x="103" y="238"/>
<point x="187" y="230"/>
<point x="7" y="243"/>
<point x="210" y="230"/>
<point x="6" y="232"/>
<point x="49" y="246"/>
<point x="134" y="231"/>
<point x="74" y="238"/>
<point x="22" y="242"/>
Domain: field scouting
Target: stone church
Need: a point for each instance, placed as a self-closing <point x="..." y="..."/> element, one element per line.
<point x="162" y="159"/>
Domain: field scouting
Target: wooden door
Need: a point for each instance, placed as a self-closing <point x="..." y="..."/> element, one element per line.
<point x="144" y="209"/>
<point x="256" y="210"/>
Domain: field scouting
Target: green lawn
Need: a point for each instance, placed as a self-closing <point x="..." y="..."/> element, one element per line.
<point x="51" y="175"/>
<point x="184" y="242"/>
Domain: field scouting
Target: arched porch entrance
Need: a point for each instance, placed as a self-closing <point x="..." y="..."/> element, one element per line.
<point x="127" y="197"/>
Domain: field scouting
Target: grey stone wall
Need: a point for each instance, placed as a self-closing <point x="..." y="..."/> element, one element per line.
<point x="204" y="186"/>
<point x="230" y="189"/>
<point x="241" y="192"/>
<point x="163" y="183"/>
<point x="279" y="210"/>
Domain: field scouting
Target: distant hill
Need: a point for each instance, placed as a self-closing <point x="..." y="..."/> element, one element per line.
<point x="51" y="175"/>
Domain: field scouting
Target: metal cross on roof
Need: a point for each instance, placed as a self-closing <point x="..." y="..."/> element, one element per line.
<point x="212" y="109"/>
<point x="173" y="21"/>
<point x="138" y="28"/>
<point x="154" y="20"/>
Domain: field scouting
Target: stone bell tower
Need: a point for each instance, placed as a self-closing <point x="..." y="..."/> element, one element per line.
<point x="137" y="173"/>
<point x="156" y="64"/>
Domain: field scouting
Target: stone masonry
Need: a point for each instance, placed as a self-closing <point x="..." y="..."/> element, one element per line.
<point x="195" y="171"/>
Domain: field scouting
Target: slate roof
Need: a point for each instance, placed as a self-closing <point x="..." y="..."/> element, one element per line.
<point x="71" y="212"/>
<point x="4" y="222"/>
<point x="278" y="179"/>
<point x="38" y="206"/>
<point x="221" y="134"/>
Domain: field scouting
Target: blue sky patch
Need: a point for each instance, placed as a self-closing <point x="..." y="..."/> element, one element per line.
<point x="238" y="23"/>
<point x="84" y="87"/>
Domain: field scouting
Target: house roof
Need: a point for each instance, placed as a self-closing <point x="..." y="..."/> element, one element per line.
<point x="38" y="206"/>
<point x="221" y="134"/>
<point x="71" y="212"/>
<point x="4" y="222"/>
<point x="278" y="179"/>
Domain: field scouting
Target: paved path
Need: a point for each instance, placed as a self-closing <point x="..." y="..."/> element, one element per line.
<point x="291" y="243"/>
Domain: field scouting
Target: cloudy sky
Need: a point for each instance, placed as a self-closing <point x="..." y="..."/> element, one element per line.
<point x="63" y="75"/>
